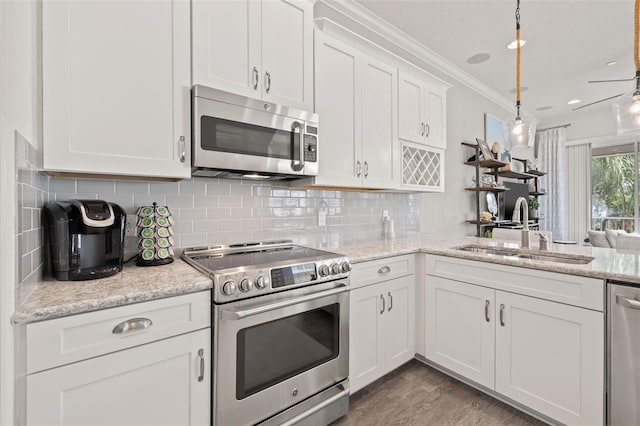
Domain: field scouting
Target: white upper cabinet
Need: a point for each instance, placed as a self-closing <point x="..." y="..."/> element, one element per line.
<point x="421" y="110"/>
<point x="257" y="48"/>
<point x="116" y="87"/>
<point x="356" y="100"/>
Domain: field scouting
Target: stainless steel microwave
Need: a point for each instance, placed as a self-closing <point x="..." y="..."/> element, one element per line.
<point x="239" y="137"/>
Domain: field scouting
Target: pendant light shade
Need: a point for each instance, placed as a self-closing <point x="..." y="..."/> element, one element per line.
<point x="626" y="108"/>
<point x="521" y="131"/>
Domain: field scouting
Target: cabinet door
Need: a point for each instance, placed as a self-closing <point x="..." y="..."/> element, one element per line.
<point x="411" y="126"/>
<point x="458" y="334"/>
<point x="366" y="354"/>
<point x="399" y="337"/>
<point x="550" y="357"/>
<point x="226" y="45"/>
<point x="116" y="87"/>
<point x="435" y="118"/>
<point x="379" y="121"/>
<point x="154" y="384"/>
<point x="337" y="100"/>
<point x="287" y="52"/>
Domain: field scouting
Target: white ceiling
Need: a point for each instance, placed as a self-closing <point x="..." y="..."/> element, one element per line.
<point x="568" y="44"/>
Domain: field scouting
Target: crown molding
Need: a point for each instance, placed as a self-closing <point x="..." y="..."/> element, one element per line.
<point x="372" y="22"/>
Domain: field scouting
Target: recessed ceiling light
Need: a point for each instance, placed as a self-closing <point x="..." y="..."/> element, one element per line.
<point x="611" y="63"/>
<point x="544" y="108"/>
<point x="574" y="101"/>
<point x="512" y="45"/>
<point x="478" y="58"/>
<point x="522" y="89"/>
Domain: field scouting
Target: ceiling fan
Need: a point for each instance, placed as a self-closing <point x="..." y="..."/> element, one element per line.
<point x="632" y="100"/>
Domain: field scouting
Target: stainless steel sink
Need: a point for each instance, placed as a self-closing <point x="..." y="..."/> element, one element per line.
<point x="545" y="256"/>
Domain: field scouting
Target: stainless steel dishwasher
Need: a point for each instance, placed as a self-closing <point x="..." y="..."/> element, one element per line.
<point x="623" y="346"/>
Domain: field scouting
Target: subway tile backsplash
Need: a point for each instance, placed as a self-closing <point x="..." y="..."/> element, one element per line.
<point x="209" y="211"/>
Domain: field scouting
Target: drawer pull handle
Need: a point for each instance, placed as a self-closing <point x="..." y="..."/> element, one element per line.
<point x="384" y="270"/>
<point x="502" y="314"/>
<point x="134" y="324"/>
<point x="201" y="355"/>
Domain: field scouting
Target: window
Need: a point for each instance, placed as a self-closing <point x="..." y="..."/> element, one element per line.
<point x="614" y="187"/>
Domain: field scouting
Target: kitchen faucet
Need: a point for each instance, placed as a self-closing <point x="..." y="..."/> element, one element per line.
<point x="524" y="240"/>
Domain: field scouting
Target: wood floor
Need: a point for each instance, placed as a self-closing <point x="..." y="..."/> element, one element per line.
<point x="416" y="394"/>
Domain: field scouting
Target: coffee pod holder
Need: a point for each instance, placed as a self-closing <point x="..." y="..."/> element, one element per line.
<point x="155" y="236"/>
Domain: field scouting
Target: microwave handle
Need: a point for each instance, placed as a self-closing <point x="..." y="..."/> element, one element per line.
<point x="300" y="164"/>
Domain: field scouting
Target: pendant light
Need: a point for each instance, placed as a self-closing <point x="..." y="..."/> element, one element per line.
<point x="521" y="131"/>
<point x="627" y="107"/>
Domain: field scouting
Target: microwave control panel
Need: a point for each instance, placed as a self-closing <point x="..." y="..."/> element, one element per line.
<point x="311" y="144"/>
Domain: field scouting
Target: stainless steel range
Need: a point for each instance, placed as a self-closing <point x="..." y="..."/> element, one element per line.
<point x="280" y="332"/>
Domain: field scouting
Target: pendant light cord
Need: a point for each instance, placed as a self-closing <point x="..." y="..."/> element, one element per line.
<point x="518" y="55"/>
<point x="636" y="22"/>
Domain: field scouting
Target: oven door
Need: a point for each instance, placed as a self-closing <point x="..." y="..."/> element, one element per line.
<point x="240" y="138"/>
<point x="276" y="351"/>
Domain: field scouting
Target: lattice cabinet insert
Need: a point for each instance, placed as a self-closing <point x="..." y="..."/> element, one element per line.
<point x="422" y="167"/>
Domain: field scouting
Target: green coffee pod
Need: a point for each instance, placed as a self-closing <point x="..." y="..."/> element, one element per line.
<point x="145" y="211"/>
<point x="163" y="253"/>
<point x="147" y="243"/>
<point x="162" y="221"/>
<point x="147" y="232"/>
<point x="163" y="232"/>
<point x="163" y="211"/>
<point x="170" y="251"/>
<point x="147" y="254"/>
<point x="146" y="222"/>
<point x="163" y="242"/>
<point x="171" y="242"/>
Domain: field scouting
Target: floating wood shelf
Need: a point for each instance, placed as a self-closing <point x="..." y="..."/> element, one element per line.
<point x="489" y="164"/>
<point x="487" y="189"/>
<point x="515" y="175"/>
<point x="536" y="172"/>
<point x="481" y="222"/>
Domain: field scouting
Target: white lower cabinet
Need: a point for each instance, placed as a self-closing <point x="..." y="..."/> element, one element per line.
<point x="161" y="383"/>
<point x="542" y="354"/>
<point x="381" y="331"/>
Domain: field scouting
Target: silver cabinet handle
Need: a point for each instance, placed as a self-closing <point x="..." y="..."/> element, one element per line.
<point x="383" y="305"/>
<point x="385" y="269"/>
<point x="201" y="355"/>
<point x="131" y="325"/>
<point x="358" y="168"/>
<point x="486" y="310"/>
<point x="296" y="129"/>
<point x="502" y="314"/>
<point x="627" y="302"/>
<point x="421" y="129"/>
<point x="428" y="129"/>
<point x="267" y="79"/>
<point x="256" y="77"/>
<point x="390" y="301"/>
<point x="182" y="147"/>
<point x="366" y="169"/>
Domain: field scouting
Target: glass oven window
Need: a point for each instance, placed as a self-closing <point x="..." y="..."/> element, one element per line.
<point x="271" y="352"/>
<point x="242" y="138"/>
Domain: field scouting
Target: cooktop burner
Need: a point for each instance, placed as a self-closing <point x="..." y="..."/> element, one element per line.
<point x="240" y="271"/>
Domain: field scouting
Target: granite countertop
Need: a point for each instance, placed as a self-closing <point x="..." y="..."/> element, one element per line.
<point x="52" y="299"/>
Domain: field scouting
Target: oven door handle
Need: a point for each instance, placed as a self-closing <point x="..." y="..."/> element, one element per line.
<point x="238" y="315"/>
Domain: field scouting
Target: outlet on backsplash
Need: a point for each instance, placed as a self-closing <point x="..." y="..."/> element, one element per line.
<point x="130" y="229"/>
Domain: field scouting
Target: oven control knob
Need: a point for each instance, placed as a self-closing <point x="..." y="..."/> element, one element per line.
<point x="229" y="288"/>
<point x="345" y="266"/>
<point x="335" y="269"/>
<point x="246" y="285"/>
<point x="261" y="282"/>
<point x="324" y="271"/>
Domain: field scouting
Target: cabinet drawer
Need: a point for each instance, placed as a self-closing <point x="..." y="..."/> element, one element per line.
<point x="69" y="339"/>
<point x="569" y="289"/>
<point x="366" y="273"/>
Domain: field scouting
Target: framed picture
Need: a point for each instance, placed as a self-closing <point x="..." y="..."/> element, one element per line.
<point x="487" y="180"/>
<point x="493" y="131"/>
<point x="484" y="149"/>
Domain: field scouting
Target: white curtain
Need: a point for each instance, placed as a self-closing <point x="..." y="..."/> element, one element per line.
<point x="578" y="195"/>
<point x="550" y="149"/>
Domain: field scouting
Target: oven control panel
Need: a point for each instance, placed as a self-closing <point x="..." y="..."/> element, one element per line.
<point x="254" y="282"/>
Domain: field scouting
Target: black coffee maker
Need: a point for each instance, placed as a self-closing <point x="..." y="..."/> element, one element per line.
<point x="85" y="238"/>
